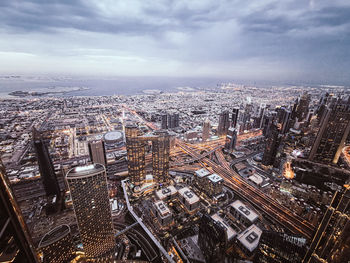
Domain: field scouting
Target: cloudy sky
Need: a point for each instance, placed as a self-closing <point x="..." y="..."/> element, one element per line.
<point x="253" y="40"/>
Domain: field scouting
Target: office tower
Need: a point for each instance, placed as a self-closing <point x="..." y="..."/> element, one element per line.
<point x="57" y="245"/>
<point x="206" y="130"/>
<point x="224" y="123"/>
<point x="136" y="154"/>
<point x="277" y="247"/>
<point x="332" y="134"/>
<point x="164" y="122"/>
<point x="47" y="171"/>
<point x="97" y="152"/>
<point x="15" y="242"/>
<point x="234" y="118"/>
<point x="262" y="114"/>
<point x="303" y="106"/>
<point x="231" y="139"/>
<point x="332" y="239"/>
<point x="286" y="121"/>
<point x="173" y="120"/>
<point x="267" y="123"/>
<point x="88" y="189"/>
<point x="160" y="156"/>
<point x="176" y="120"/>
<point x="272" y="144"/>
<point x="322" y="106"/>
<point x="212" y="239"/>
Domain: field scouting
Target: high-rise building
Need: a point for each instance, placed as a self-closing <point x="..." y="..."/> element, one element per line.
<point x="331" y="240"/>
<point x="234" y="118"/>
<point x="231" y="139"/>
<point x="136" y="154"/>
<point x="47" y="171"/>
<point x="334" y="130"/>
<point x="224" y="123"/>
<point x="15" y="242"/>
<point x="302" y="108"/>
<point x="97" y="152"/>
<point x="273" y="141"/>
<point x="160" y="156"/>
<point x="277" y="247"/>
<point x="57" y="245"/>
<point x="212" y="239"/>
<point x="164" y="121"/>
<point x="206" y="130"/>
<point x="88" y="189"/>
<point x="286" y="121"/>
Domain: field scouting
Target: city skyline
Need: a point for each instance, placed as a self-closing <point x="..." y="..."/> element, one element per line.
<point x="258" y="41"/>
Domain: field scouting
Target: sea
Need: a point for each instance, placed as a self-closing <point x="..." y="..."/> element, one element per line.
<point x="95" y="86"/>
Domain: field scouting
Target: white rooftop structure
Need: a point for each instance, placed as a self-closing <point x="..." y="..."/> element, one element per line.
<point x="245" y="211"/>
<point x="250" y="237"/>
<point x="190" y="197"/>
<point x="257" y="179"/>
<point x="230" y="232"/>
<point x="162" y="208"/>
<point x="165" y="192"/>
<point x="215" y="178"/>
<point x="202" y="173"/>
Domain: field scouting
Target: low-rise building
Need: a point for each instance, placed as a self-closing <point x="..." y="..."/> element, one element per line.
<point x="166" y="193"/>
<point x="214" y="185"/>
<point x="162" y="213"/>
<point x="243" y="213"/>
<point x="248" y="240"/>
<point x="189" y="199"/>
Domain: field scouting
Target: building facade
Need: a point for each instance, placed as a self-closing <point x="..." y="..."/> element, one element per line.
<point x="97" y="152"/>
<point x="15" y="241"/>
<point x="160" y="156"/>
<point x="334" y="130"/>
<point x="47" y="171"/>
<point x="57" y="245"/>
<point x="136" y="154"/>
<point x="88" y="188"/>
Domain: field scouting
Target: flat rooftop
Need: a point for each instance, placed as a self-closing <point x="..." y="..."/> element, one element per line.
<point x="250" y="237"/>
<point x="202" y="172"/>
<point x="165" y="192"/>
<point x="229" y="230"/>
<point x="215" y="178"/>
<point x="189" y="195"/>
<point x="245" y="210"/>
<point x="162" y="208"/>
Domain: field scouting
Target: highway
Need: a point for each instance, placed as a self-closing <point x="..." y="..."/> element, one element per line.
<point x="268" y="205"/>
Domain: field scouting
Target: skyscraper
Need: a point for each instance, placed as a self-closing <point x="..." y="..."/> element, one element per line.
<point x="302" y="108"/>
<point x="234" y="118"/>
<point x="88" y="188"/>
<point x="206" y="130"/>
<point x="97" y="152"/>
<point x="136" y="154"/>
<point x="15" y="242"/>
<point x="332" y="239"/>
<point x="164" y="121"/>
<point x="224" y="123"/>
<point x="273" y="141"/>
<point x="334" y="130"/>
<point x="160" y="156"/>
<point x="57" y="245"/>
<point x="212" y="239"/>
<point x="47" y="171"/>
<point x="231" y="139"/>
<point x="277" y="247"/>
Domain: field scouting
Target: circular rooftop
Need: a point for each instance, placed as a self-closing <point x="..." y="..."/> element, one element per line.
<point x="54" y="235"/>
<point x="113" y="137"/>
<point x="85" y="171"/>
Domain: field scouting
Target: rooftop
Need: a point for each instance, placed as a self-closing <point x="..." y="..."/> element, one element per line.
<point x="85" y="171"/>
<point x="189" y="195"/>
<point x="250" y="237"/>
<point x="202" y="172"/>
<point x="245" y="210"/>
<point x="54" y="235"/>
<point x="162" y="208"/>
<point x="215" y="178"/>
<point x="167" y="191"/>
